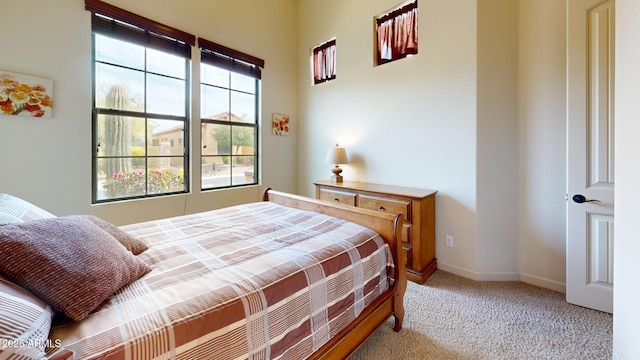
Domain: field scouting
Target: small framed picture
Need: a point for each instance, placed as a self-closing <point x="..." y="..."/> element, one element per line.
<point x="280" y="124"/>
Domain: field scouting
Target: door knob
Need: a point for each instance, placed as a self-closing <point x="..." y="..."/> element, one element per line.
<point x="581" y="199"/>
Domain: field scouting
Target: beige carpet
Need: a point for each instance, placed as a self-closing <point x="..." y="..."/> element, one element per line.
<point x="451" y="317"/>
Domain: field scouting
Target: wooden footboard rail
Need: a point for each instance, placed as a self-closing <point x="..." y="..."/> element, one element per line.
<point x="390" y="303"/>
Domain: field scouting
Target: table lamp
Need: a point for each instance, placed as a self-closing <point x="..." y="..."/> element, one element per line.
<point x="336" y="155"/>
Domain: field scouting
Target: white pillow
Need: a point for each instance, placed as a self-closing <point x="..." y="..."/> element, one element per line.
<point x="15" y="210"/>
<point x="25" y="322"/>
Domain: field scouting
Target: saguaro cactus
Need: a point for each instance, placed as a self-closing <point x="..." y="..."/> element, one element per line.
<point x="117" y="132"/>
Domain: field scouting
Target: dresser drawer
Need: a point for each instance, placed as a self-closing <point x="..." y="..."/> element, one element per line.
<point x="342" y="197"/>
<point x="408" y="256"/>
<point x="387" y="205"/>
<point x="406" y="233"/>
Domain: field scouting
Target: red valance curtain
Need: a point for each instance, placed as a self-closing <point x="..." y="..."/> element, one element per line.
<point x="324" y="62"/>
<point x="398" y="33"/>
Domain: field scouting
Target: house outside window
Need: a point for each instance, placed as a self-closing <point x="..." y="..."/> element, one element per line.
<point x="229" y="97"/>
<point x="140" y="106"/>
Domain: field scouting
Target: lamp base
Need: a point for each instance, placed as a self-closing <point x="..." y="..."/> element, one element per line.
<point x="336" y="178"/>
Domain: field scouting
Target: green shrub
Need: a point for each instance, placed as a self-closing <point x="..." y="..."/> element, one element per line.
<point x="138" y="157"/>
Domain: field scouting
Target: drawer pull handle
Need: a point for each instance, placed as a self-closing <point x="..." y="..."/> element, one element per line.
<point x="381" y="208"/>
<point x="336" y="199"/>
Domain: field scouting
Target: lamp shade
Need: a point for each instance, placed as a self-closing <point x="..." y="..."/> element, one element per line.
<point x="336" y="155"/>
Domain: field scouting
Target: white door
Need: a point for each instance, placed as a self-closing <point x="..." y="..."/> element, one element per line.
<point x="590" y="153"/>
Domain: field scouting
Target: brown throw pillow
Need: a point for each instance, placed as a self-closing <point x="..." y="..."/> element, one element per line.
<point x="25" y="322"/>
<point x="71" y="264"/>
<point x="132" y="243"/>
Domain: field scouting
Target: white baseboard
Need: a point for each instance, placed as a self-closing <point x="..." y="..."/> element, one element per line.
<point x="545" y="283"/>
<point x="499" y="276"/>
<point x="474" y="275"/>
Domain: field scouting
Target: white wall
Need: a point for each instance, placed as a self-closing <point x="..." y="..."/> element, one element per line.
<point x="477" y="115"/>
<point x="410" y="122"/>
<point x="626" y="296"/>
<point x="542" y="140"/>
<point x="48" y="161"/>
<point x="497" y="145"/>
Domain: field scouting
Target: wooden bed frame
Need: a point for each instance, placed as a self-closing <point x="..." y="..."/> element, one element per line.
<point x="345" y="343"/>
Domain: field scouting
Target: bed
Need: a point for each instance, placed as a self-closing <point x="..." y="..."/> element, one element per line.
<point x="289" y="277"/>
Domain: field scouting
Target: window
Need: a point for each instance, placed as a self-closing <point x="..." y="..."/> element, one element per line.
<point x="229" y="97"/>
<point x="397" y="33"/>
<point x="140" y="73"/>
<point x="323" y="62"/>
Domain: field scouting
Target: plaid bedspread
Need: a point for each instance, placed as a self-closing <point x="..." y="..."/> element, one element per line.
<point x="257" y="281"/>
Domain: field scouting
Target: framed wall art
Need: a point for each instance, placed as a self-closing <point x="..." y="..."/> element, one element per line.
<point x="25" y="95"/>
<point x="280" y="124"/>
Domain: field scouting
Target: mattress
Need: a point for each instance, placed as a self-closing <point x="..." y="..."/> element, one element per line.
<point x="258" y="280"/>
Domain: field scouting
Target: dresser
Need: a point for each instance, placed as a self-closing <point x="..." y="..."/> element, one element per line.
<point x="417" y="206"/>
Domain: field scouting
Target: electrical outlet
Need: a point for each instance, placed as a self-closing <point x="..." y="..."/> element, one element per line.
<point x="448" y="240"/>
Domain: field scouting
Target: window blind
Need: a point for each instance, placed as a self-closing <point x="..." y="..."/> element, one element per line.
<point x="116" y="22"/>
<point x="230" y="59"/>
